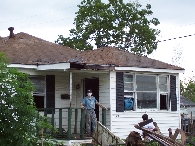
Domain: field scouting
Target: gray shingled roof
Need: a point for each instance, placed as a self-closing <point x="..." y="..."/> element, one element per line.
<point x="184" y="102"/>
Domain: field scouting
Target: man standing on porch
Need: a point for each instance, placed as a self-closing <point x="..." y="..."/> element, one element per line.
<point x="88" y="103"/>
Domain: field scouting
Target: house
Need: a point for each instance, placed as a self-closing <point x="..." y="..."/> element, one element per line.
<point x="187" y="107"/>
<point x="128" y="85"/>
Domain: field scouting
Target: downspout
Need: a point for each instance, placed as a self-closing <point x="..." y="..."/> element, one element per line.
<point x="70" y="89"/>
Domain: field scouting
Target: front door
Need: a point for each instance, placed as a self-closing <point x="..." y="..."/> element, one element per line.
<point x="93" y="84"/>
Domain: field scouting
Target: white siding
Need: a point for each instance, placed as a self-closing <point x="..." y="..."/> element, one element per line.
<point x="104" y="94"/>
<point x="122" y="123"/>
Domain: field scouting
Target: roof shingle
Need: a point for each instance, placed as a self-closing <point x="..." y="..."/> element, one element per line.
<point x="27" y="49"/>
<point x="121" y="58"/>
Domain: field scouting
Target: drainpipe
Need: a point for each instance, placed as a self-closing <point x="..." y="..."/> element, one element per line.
<point x="70" y="89"/>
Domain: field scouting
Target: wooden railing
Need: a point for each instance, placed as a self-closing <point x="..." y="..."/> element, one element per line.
<point x="70" y="122"/>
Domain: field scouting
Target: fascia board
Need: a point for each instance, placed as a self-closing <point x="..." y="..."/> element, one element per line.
<point x="148" y="69"/>
<point x="59" y="66"/>
<point x="23" y="66"/>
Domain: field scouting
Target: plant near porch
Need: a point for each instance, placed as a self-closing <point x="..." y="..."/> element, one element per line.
<point x="19" y="118"/>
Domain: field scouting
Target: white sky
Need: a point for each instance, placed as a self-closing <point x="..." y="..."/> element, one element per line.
<point x="47" y="19"/>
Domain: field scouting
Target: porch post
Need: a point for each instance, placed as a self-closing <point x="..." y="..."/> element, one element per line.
<point x="82" y="124"/>
<point x="70" y="89"/>
<point x="69" y="122"/>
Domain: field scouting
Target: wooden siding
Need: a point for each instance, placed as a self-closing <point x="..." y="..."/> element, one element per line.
<point x="122" y="123"/>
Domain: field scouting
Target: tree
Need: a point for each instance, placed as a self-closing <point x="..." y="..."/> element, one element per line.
<point x="188" y="89"/>
<point x="19" y="118"/>
<point x="119" y="24"/>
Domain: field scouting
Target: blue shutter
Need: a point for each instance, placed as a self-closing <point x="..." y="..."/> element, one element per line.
<point x="173" y="97"/>
<point x="119" y="92"/>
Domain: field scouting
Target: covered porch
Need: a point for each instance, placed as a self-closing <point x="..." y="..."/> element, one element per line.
<point x="69" y="122"/>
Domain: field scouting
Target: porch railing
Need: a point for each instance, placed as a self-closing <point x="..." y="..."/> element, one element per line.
<point x="70" y="122"/>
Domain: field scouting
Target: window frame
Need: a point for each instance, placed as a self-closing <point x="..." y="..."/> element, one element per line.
<point x="136" y="92"/>
<point x="39" y="92"/>
<point x="131" y="92"/>
<point x="167" y="93"/>
<point x="158" y="91"/>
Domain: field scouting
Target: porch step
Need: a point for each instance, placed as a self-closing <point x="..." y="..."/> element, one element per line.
<point x="105" y="137"/>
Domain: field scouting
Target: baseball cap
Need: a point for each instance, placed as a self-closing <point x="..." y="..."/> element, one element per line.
<point x="89" y="91"/>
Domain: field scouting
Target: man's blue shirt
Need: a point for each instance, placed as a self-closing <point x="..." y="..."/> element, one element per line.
<point x="89" y="103"/>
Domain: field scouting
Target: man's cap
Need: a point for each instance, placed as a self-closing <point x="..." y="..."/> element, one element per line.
<point x="89" y="91"/>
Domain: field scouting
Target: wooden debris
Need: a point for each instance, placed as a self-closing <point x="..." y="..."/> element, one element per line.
<point x="163" y="140"/>
<point x="156" y="129"/>
<point x="134" y="139"/>
<point x="141" y="124"/>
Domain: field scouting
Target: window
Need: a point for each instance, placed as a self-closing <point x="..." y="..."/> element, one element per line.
<point x="128" y="91"/>
<point x="38" y="82"/>
<point x="146" y="91"/>
<point x="39" y="101"/>
<point x="163" y="89"/>
<point x="128" y="83"/>
<point x="163" y="84"/>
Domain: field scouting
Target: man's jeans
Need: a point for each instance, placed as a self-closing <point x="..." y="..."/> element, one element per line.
<point x="90" y="117"/>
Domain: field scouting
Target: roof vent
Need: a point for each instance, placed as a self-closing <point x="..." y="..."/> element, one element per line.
<point x="11" y="29"/>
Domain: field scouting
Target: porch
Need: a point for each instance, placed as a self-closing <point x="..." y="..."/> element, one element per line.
<point x="69" y="122"/>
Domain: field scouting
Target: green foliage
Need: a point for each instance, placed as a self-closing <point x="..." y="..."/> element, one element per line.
<point x="152" y="143"/>
<point x="188" y="89"/>
<point x="119" y="24"/>
<point x="20" y="122"/>
<point x="193" y="140"/>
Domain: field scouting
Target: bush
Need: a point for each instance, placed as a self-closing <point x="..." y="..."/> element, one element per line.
<point x="19" y="118"/>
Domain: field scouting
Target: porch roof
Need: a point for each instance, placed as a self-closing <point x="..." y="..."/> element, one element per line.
<point x="26" y="49"/>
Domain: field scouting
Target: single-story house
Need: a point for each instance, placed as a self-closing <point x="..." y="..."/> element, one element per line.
<point x="129" y="85"/>
<point x="187" y="107"/>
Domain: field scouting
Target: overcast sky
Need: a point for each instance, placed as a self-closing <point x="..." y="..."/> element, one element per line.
<point x="47" y="19"/>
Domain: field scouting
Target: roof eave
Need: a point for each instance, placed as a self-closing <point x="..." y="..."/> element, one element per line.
<point x="149" y="69"/>
<point x="58" y="66"/>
